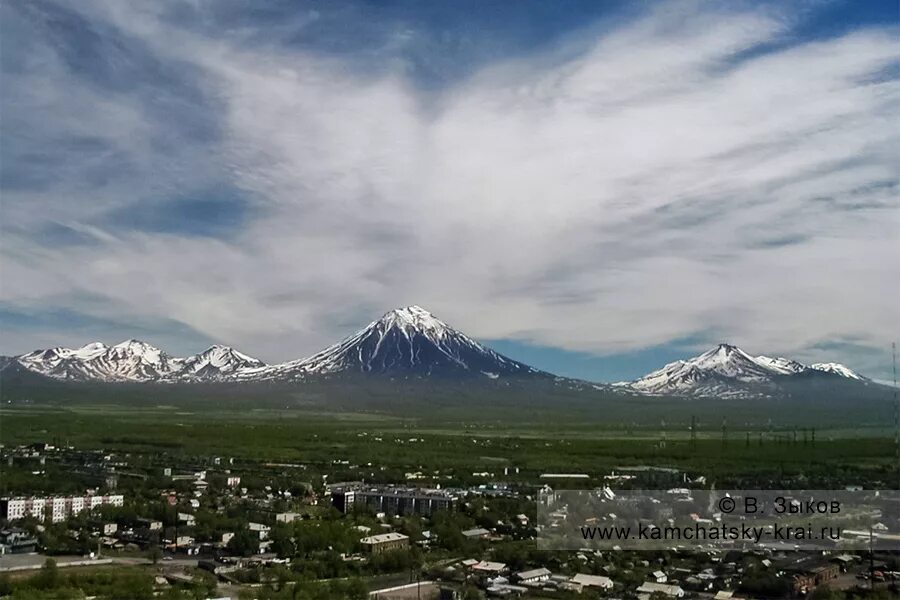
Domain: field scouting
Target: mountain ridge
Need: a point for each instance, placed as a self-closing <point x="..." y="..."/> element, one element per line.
<point x="728" y="371"/>
<point x="411" y="343"/>
<point x="404" y="342"/>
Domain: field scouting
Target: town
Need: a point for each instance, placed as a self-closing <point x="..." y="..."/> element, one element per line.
<point x="172" y="525"/>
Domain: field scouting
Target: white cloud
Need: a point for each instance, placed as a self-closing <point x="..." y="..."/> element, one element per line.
<point x="676" y="176"/>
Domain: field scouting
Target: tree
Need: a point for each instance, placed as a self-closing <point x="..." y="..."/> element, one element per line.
<point x="282" y="544"/>
<point x="244" y="543"/>
<point x="470" y="592"/>
<point x="356" y="589"/>
<point x="823" y="592"/>
<point x="49" y="577"/>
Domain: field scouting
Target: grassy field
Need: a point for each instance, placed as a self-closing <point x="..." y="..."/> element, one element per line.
<point x="317" y="438"/>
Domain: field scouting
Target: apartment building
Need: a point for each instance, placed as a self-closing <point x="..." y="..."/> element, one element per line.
<point x="393" y="500"/>
<point x="53" y="508"/>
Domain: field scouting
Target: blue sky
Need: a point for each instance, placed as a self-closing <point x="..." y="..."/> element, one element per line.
<point x="596" y="188"/>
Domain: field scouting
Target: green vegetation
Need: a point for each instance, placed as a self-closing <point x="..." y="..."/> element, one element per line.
<point x="322" y="444"/>
<point x="112" y="583"/>
<point x="297" y="452"/>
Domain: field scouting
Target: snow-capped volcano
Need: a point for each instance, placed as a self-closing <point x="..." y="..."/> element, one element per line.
<point x="728" y="371"/>
<point x="405" y="342"/>
<point x="411" y="343"/>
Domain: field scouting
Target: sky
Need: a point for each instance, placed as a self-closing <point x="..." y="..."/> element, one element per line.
<point x="595" y="188"/>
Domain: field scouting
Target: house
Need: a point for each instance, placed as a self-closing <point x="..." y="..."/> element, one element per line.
<point x="427" y="538"/>
<point x="651" y="587"/>
<point x="151" y="524"/>
<point x="16" y="541"/>
<point x="110" y="528"/>
<point x="286" y="517"/>
<point x="476" y="534"/>
<point x="596" y="581"/>
<point x="808" y="578"/>
<point x="488" y="567"/>
<point x="384" y="542"/>
<point x="186" y="519"/>
<point x="659" y="577"/>
<point x="261" y="529"/>
<point x="534" y="575"/>
<point x="226" y="537"/>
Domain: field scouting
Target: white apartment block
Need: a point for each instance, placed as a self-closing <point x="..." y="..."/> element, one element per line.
<point x="54" y="508"/>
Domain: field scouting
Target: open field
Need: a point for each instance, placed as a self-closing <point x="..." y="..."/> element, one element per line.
<point x="317" y="439"/>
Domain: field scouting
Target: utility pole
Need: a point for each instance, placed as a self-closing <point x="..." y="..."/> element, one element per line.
<point x="871" y="562"/>
<point x="896" y="412"/>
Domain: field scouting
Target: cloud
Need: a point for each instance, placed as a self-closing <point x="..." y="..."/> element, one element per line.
<point x="691" y="172"/>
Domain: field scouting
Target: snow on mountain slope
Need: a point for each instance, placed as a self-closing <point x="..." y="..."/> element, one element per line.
<point x="404" y="342"/>
<point x="728" y="371"/>
<point x="61" y="363"/>
<point x="131" y="360"/>
<point x="838" y="369"/>
<point x="411" y="343"/>
<point x="707" y="374"/>
<point x="785" y="366"/>
<point x="134" y="360"/>
<point x="217" y="362"/>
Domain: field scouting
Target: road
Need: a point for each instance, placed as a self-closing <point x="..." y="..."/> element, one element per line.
<point x="25" y="562"/>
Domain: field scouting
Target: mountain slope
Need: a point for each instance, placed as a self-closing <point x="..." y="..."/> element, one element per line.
<point x="726" y="371"/>
<point x="217" y="362"/>
<point x="134" y="360"/>
<point x="838" y="369"/>
<point x="405" y="342"/>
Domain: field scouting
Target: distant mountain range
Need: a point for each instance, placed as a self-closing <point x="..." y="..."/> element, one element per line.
<point x="412" y="344"/>
<point x="406" y="342"/>
<point x="728" y="371"/>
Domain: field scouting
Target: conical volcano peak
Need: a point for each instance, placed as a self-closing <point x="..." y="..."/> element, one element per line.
<point x="413" y="316"/>
<point x="409" y="342"/>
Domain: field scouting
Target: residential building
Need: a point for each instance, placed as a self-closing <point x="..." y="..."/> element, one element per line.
<point x="286" y="517"/>
<point x="150" y="524"/>
<point x="534" y="575"/>
<point x="808" y="578"/>
<point x="651" y="587"/>
<point x="478" y="533"/>
<point x="487" y="567"/>
<point x="54" y="508"/>
<point x="393" y="500"/>
<point x="260" y="529"/>
<point x="596" y="581"/>
<point x="385" y="542"/>
<point x="16" y="541"/>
